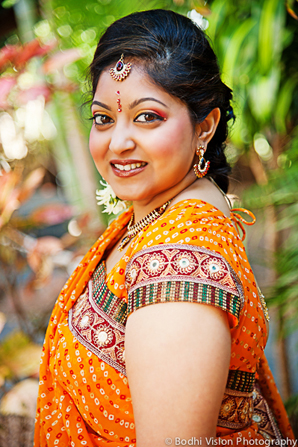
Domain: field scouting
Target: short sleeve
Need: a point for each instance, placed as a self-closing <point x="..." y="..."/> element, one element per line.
<point x="178" y="272"/>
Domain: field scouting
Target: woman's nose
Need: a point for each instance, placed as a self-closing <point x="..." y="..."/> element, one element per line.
<point x="121" y="140"/>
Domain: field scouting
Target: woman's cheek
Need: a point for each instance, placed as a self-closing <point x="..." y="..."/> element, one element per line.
<point x="172" y="140"/>
<point x="91" y="141"/>
<point x="94" y="146"/>
<point x="164" y="145"/>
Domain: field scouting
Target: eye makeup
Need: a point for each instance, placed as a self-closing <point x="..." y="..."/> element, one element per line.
<point x="149" y="117"/>
<point x="159" y="113"/>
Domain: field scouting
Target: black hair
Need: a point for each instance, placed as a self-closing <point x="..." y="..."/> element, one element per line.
<point x="177" y="56"/>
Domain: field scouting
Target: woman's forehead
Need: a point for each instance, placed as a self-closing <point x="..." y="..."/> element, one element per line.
<point x="138" y="82"/>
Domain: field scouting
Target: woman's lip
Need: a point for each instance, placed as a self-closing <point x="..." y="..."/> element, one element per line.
<point x="125" y="162"/>
<point x="131" y="173"/>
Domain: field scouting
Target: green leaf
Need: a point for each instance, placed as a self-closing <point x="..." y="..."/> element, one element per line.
<point x="283" y="105"/>
<point x="270" y="37"/>
<point x="219" y="8"/>
<point x="262" y="94"/>
<point x="233" y="50"/>
<point x="9" y="3"/>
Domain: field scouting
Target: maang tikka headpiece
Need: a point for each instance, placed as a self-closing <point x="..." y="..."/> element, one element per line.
<point x="121" y="70"/>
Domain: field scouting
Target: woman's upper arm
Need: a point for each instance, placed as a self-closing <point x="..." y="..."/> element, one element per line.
<point x="177" y="360"/>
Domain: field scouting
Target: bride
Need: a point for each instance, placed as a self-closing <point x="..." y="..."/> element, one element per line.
<point x="158" y="336"/>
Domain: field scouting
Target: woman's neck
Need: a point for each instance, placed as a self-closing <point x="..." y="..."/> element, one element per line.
<point x="143" y="207"/>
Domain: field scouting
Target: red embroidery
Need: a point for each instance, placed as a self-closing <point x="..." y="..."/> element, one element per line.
<point x="97" y="331"/>
<point x="176" y="262"/>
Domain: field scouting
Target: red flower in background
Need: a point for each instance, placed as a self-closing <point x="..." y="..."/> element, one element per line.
<point x="18" y="55"/>
<point x="30" y="50"/>
<point x="34" y="92"/>
<point x="6" y="84"/>
<point x="7" y="55"/>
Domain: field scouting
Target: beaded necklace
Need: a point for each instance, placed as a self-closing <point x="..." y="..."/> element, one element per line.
<point x="134" y="229"/>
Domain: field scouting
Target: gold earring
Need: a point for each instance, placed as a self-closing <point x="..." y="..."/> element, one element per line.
<point x="203" y="166"/>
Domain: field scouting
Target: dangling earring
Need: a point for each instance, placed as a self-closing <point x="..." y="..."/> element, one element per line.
<point x="203" y="166"/>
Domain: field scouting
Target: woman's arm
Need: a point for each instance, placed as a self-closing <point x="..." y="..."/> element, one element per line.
<point x="177" y="359"/>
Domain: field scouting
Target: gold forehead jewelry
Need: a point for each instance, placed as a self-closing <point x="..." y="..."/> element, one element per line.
<point x="121" y="70"/>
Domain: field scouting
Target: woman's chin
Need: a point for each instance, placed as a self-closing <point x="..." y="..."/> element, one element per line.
<point x="126" y="198"/>
<point x="134" y="197"/>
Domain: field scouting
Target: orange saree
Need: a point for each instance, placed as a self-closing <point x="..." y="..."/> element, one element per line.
<point x="191" y="253"/>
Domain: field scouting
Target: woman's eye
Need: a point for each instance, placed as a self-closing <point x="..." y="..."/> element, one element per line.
<point x="100" y="119"/>
<point x="148" y="118"/>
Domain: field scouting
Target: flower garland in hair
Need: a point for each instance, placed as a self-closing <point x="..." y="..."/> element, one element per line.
<point x="198" y="19"/>
<point x="108" y="198"/>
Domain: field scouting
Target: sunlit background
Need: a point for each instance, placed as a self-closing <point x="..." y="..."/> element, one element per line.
<point x="48" y="212"/>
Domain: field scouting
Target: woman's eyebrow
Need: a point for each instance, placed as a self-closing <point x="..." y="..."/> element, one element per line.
<point x="101" y="104"/>
<point x="139" y="101"/>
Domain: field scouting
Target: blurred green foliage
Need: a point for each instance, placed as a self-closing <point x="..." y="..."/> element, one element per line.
<point x="257" y="46"/>
<point x="256" y="43"/>
<point x="281" y="193"/>
<point x="80" y="25"/>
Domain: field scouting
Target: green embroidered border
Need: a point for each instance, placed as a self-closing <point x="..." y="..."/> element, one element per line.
<point x="241" y="381"/>
<point x="183" y="291"/>
<point x="171" y="291"/>
<point x="113" y="306"/>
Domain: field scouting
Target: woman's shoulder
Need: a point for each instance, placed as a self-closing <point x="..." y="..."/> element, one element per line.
<point x="182" y="255"/>
<point x="193" y="222"/>
<point x="205" y="190"/>
<point x="192" y="225"/>
<point x="193" y="251"/>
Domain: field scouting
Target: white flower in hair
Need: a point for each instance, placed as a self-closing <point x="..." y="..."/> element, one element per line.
<point x="198" y="19"/>
<point x="104" y="195"/>
<point x="108" y="198"/>
<point x="120" y="206"/>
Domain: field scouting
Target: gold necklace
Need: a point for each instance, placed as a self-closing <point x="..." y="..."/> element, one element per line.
<point x="134" y="229"/>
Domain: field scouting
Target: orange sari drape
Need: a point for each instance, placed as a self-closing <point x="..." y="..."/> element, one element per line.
<point x="84" y="396"/>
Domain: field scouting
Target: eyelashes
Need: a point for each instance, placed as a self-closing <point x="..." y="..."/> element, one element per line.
<point x="100" y="119"/>
<point x="149" y="117"/>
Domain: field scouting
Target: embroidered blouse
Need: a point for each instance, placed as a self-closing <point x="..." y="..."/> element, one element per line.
<point x="191" y="253"/>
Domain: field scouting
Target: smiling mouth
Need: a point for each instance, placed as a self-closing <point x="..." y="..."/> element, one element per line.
<point x="129" y="166"/>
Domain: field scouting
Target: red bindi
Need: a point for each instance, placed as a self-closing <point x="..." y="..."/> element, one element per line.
<point x="119" y="106"/>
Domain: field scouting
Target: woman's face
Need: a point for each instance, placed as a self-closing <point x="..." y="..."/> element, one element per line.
<point x="148" y="147"/>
